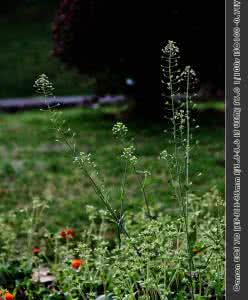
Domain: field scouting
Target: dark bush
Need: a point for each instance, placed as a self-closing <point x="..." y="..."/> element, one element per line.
<point x="6" y="6"/>
<point x="125" y="37"/>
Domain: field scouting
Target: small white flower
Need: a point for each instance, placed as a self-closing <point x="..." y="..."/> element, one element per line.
<point x="128" y="154"/>
<point x="171" y="49"/>
<point x="43" y="85"/>
<point x="163" y="155"/>
<point x="120" y="129"/>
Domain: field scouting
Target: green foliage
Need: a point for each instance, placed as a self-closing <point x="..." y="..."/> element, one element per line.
<point x="159" y="272"/>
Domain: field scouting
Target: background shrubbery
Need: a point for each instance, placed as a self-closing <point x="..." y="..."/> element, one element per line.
<point x="125" y="37"/>
<point x="26" y="51"/>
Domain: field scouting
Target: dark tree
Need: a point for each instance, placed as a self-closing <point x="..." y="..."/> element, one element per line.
<point x="125" y="38"/>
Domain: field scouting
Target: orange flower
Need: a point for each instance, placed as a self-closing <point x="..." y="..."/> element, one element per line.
<point x="9" y="296"/>
<point x="63" y="234"/>
<point x="70" y="233"/>
<point x="76" y="263"/>
<point x="67" y="234"/>
<point x="36" y="250"/>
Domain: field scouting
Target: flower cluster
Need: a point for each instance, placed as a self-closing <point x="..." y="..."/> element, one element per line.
<point x="85" y="159"/>
<point x="120" y="130"/>
<point x="171" y="74"/>
<point x="77" y="263"/>
<point x="36" y="250"/>
<point x="189" y="75"/>
<point x="129" y="156"/>
<point x="164" y="155"/>
<point x="43" y="85"/>
<point x="67" y="234"/>
<point x="171" y="49"/>
<point x="7" y="296"/>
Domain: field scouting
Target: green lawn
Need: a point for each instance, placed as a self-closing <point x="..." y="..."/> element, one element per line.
<point x="26" y="47"/>
<point x="33" y="164"/>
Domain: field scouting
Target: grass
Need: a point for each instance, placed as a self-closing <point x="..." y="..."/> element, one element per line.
<point x="33" y="164"/>
<point x="26" y="47"/>
<point x="212" y="105"/>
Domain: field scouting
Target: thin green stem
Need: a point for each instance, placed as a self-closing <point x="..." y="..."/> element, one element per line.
<point x="190" y="258"/>
<point x="178" y="188"/>
<point x="141" y="184"/>
<point x="123" y="192"/>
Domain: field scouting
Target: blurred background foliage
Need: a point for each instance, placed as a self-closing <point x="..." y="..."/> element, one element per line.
<point x="126" y="38"/>
<point x="126" y="43"/>
<point x="26" y="51"/>
<point x="108" y="41"/>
